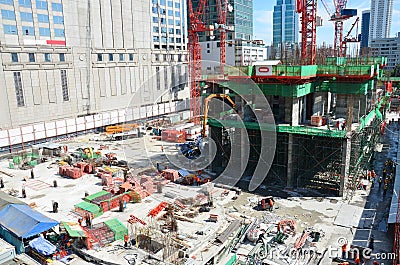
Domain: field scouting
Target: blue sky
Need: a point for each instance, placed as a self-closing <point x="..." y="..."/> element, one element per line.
<point x="263" y="19"/>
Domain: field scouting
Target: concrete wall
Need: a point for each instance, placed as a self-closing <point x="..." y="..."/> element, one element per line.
<point x="117" y="28"/>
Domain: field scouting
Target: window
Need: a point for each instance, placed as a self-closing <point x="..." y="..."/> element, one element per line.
<point x="58" y="19"/>
<point x="179" y="40"/>
<point x="162" y="2"/>
<point x="7" y="2"/>
<point x="177" y="22"/>
<point x="131" y="57"/>
<point x="110" y="57"/>
<point x="41" y="5"/>
<point x="24" y="3"/>
<point x="26" y="16"/>
<point x="170" y="13"/>
<point x="8" y="14"/>
<point x="43" y="18"/>
<point x="99" y="57"/>
<point x="170" y="30"/>
<point x="171" y="39"/>
<point x="64" y="85"/>
<point x="14" y="57"/>
<point x="158" y="77"/>
<point x="177" y="13"/>
<point x="177" y="5"/>
<point x="154" y="10"/>
<point x="162" y="21"/>
<point x="57" y="7"/>
<point x="59" y="33"/>
<point x="156" y="38"/>
<point x="28" y="31"/>
<point x="155" y="29"/>
<point x="10" y="29"/>
<point x="47" y="57"/>
<point x="121" y="57"/>
<point x="18" y="89"/>
<point x="31" y="57"/>
<point x="62" y="57"/>
<point x="163" y="30"/>
<point x="170" y="4"/>
<point x="170" y="22"/>
<point x="164" y="39"/>
<point x="44" y="32"/>
<point x="155" y="19"/>
<point x="178" y="31"/>
<point x="154" y="1"/>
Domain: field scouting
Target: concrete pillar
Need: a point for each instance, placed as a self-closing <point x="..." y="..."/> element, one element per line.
<point x="289" y="179"/>
<point x="345" y="170"/>
<point x="296" y="108"/>
<point x="216" y="135"/>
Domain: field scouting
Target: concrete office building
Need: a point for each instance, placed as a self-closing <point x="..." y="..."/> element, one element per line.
<point x="365" y="18"/>
<point x="381" y="19"/>
<point x="65" y="59"/>
<point x="285" y="22"/>
<point x="388" y="47"/>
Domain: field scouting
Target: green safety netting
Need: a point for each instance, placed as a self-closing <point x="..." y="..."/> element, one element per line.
<point x="73" y="229"/>
<point x="96" y="195"/>
<point x="90" y="207"/>
<point x="118" y="228"/>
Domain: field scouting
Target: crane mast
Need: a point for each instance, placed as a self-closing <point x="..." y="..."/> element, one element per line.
<point x="308" y="11"/>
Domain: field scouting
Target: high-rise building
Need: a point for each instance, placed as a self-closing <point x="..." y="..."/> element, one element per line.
<point x="381" y="19"/>
<point x="239" y="18"/>
<point x="60" y="60"/>
<point x="285" y="22"/>
<point x="366" y="15"/>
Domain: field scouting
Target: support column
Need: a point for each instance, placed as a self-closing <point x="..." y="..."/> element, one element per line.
<point x="295" y="112"/>
<point x="289" y="178"/>
<point x="345" y="170"/>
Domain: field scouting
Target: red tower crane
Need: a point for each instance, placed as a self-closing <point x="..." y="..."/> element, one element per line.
<point x="222" y="7"/>
<point x="308" y="11"/>
<point x="196" y="25"/>
<point x="338" y="17"/>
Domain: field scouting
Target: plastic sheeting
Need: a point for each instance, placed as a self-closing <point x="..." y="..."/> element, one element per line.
<point x="30" y="222"/>
<point x="42" y="246"/>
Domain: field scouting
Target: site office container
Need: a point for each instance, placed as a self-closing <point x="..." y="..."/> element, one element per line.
<point x="174" y="136"/>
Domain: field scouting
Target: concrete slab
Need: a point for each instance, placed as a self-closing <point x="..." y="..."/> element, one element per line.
<point x="348" y="216"/>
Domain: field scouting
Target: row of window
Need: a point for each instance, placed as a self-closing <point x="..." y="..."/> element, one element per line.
<point x="19" y="92"/>
<point x="30" y="31"/>
<point x="164" y="39"/>
<point x="39" y="4"/>
<point x="164" y="30"/>
<point x="164" y="21"/>
<point x="162" y="11"/>
<point x="32" y="57"/>
<point x="163" y="3"/>
<point x="121" y="57"/>
<point x="28" y="17"/>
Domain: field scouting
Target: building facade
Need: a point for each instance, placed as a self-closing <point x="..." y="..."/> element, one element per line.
<point x="380" y="19"/>
<point x="365" y="18"/>
<point x="64" y="59"/>
<point x="388" y="47"/>
<point x="239" y="20"/>
<point x="238" y="53"/>
<point x="285" y="22"/>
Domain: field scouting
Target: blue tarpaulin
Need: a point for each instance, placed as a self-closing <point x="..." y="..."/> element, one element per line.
<point x="183" y="172"/>
<point x="23" y="221"/>
<point x="42" y="246"/>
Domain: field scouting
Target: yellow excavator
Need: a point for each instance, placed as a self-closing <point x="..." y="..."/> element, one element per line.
<point x="207" y="107"/>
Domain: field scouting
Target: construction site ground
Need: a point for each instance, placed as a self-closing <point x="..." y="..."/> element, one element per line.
<point x="353" y="219"/>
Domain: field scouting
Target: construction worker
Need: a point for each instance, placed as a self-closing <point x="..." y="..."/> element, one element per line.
<point x="380" y="182"/>
<point x="271" y="204"/>
<point x="1" y="183"/>
<point x="384" y="173"/>
<point x="80" y="221"/>
<point x="385" y="187"/>
<point x="126" y="239"/>
<point x="344" y="251"/>
<point x="357" y="260"/>
<point x="23" y="193"/>
<point x="32" y="174"/>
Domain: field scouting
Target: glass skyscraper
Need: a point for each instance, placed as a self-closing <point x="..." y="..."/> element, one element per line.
<point x="381" y="19"/>
<point x="366" y="15"/>
<point x="285" y="22"/>
<point x="240" y="16"/>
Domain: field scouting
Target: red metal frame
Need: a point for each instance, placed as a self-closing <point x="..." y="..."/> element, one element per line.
<point x="196" y="25"/>
<point x="308" y="11"/>
<point x="346" y="38"/>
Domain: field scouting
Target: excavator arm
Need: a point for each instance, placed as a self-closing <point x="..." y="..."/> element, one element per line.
<point x="207" y="107"/>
